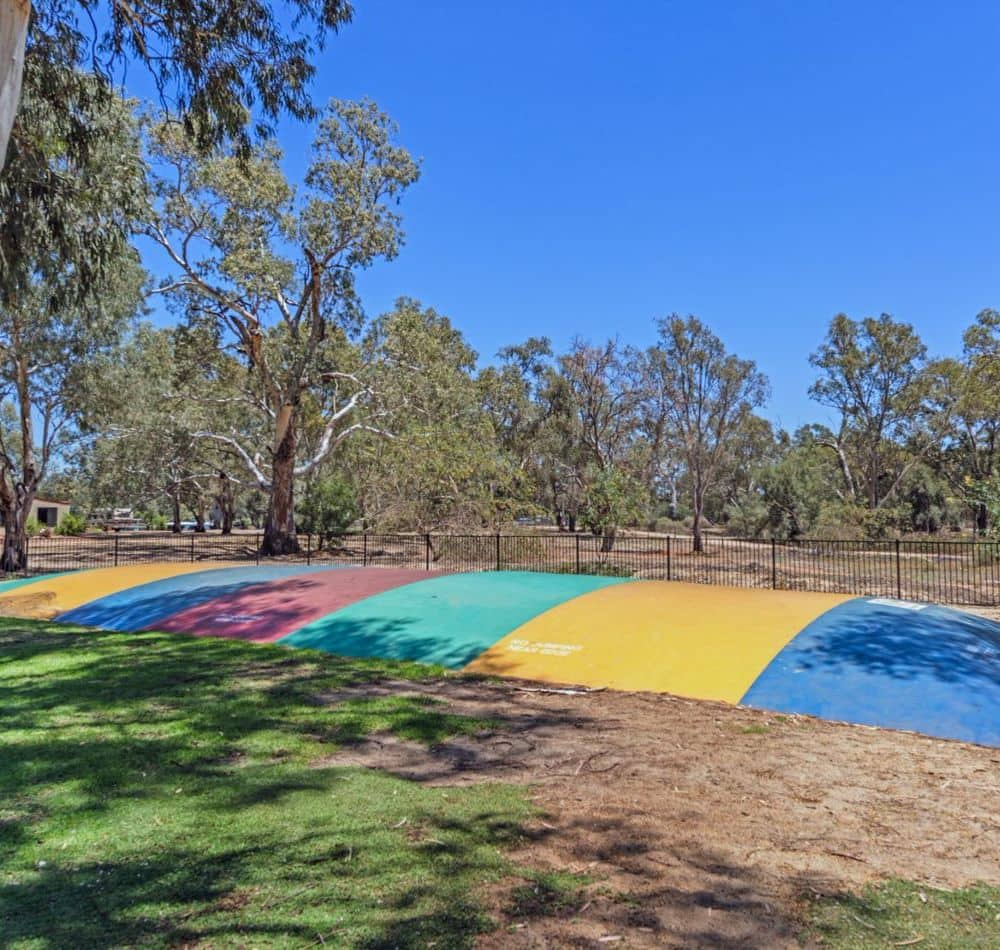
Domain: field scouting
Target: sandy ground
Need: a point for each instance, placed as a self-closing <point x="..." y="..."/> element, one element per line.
<point x="701" y="824"/>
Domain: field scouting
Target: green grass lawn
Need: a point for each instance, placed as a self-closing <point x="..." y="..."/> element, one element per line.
<point x="159" y="789"/>
<point x="904" y="914"/>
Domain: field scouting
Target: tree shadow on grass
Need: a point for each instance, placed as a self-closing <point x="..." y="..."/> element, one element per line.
<point x="159" y="789"/>
<point x="368" y="886"/>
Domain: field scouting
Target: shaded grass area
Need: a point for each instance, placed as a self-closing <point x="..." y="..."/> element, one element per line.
<point x="548" y="894"/>
<point x="901" y="913"/>
<point x="157" y="790"/>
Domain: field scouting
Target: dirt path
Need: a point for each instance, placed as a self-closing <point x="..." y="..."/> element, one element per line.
<point x="702" y="824"/>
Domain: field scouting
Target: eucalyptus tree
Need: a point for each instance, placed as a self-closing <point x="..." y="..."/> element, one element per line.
<point x="160" y="388"/>
<point x="227" y="67"/>
<point x="600" y="403"/>
<point x="737" y="497"/>
<point x="68" y="283"/>
<point x="273" y="267"/>
<point x="874" y="374"/>
<point x="443" y="465"/>
<point x="799" y="484"/>
<point x="605" y="399"/>
<point x="565" y="461"/>
<point x="511" y="396"/>
<point x="707" y="397"/>
<point x="968" y="398"/>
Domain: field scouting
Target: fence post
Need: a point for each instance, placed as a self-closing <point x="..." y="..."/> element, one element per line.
<point x="899" y="574"/>
<point x="427" y="552"/>
<point x="192" y="547"/>
<point x="498" y="550"/>
<point x="669" y="570"/>
<point x="309" y="547"/>
<point x="116" y="549"/>
<point x="364" y="548"/>
<point x="257" y="540"/>
<point x="577" y="552"/>
<point x="774" y="564"/>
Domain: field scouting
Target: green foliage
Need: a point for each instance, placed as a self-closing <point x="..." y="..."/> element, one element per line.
<point x="32" y="526"/>
<point x="704" y="400"/>
<point x="69" y="277"/>
<point x="925" y="505"/>
<point x="160" y="790"/>
<point x="747" y="515"/>
<point x="71" y="525"/>
<point x="158" y="389"/>
<point x="797" y="486"/>
<point x="328" y="508"/>
<point x="273" y="280"/>
<point x="442" y="466"/>
<point x="874" y="373"/>
<point x="613" y="498"/>
<point x="849" y="521"/>
<point x="71" y="190"/>
<point x="987" y="493"/>
<point x="229" y="71"/>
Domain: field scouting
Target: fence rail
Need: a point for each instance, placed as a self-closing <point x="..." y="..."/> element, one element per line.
<point x="955" y="572"/>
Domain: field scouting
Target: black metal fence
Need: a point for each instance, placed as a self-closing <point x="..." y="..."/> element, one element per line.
<point x="955" y="572"/>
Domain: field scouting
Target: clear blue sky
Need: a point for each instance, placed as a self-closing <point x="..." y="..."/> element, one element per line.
<point x="589" y="165"/>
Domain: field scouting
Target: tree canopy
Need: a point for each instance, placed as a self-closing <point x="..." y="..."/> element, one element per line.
<point x="70" y="284"/>
<point x="226" y="68"/>
<point x="271" y="267"/>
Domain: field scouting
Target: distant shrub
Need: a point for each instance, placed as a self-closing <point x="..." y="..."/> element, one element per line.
<point x="747" y="515"/>
<point x="672" y="525"/>
<point x="328" y="508"/>
<point x="33" y="527"/>
<point x="842" y="521"/>
<point x="156" y="522"/>
<point x="71" y="525"/>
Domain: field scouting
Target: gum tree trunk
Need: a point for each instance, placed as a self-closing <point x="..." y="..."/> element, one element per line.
<point x="982" y="519"/>
<point x="698" y="506"/>
<point x="15" y="537"/>
<point x="279" y="527"/>
<point x="18" y="488"/>
<point x="608" y="537"/>
<point x="14" y="16"/>
<point x="226" y="502"/>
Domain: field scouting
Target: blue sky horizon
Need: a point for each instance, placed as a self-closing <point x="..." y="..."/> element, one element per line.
<point x="589" y="166"/>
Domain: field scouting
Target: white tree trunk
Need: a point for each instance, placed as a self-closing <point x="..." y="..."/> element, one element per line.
<point x="13" y="33"/>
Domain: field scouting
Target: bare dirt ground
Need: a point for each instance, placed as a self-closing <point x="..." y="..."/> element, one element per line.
<point x="700" y="824"/>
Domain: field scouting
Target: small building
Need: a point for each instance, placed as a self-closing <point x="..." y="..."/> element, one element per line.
<point x="49" y="512"/>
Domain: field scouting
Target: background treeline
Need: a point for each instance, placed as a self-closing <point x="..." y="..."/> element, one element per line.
<point x="272" y="399"/>
<point x="601" y="437"/>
